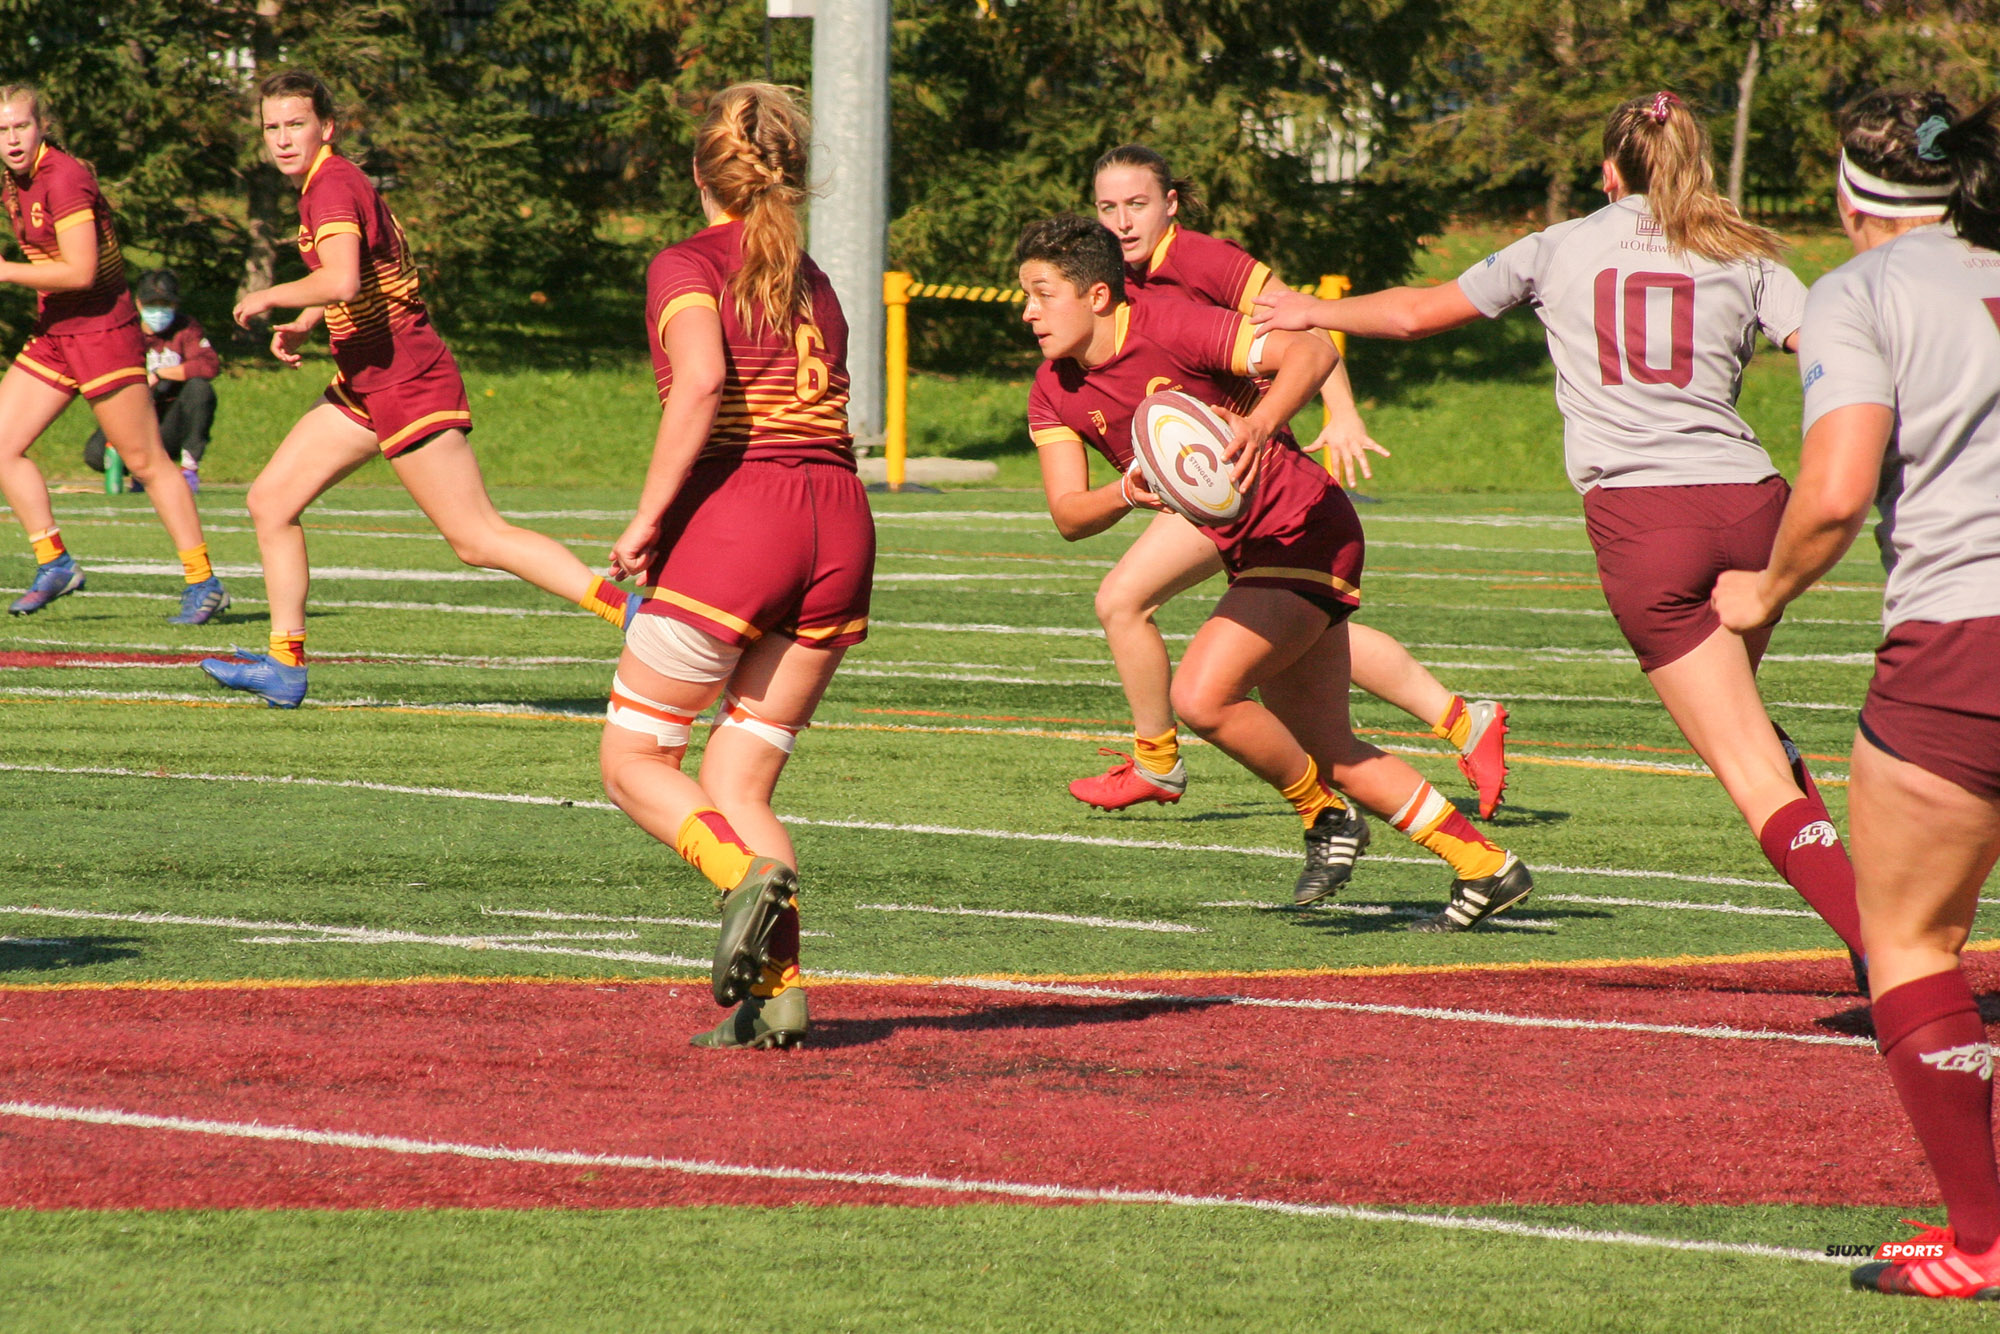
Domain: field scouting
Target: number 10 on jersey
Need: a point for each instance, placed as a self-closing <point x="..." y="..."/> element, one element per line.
<point x="1614" y="363"/>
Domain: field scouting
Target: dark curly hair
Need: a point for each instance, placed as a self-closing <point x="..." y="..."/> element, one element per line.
<point x="1080" y="249"/>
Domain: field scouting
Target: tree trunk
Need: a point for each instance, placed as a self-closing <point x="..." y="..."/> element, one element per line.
<point x="1562" y="36"/>
<point x="263" y="218"/>
<point x="1739" y="139"/>
<point x="1556" y="205"/>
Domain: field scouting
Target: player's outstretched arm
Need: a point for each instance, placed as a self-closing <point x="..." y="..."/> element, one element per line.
<point x="1840" y="466"/>
<point x="1395" y="312"/>
<point x="74" y="271"/>
<point x="338" y="278"/>
<point x="694" y="349"/>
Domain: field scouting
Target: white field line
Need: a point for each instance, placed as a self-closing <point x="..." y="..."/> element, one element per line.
<point x="116" y="565"/>
<point x="252" y="1130"/>
<point x="427" y="659"/>
<point x="467" y="942"/>
<point x="1003" y="835"/>
<point x="1504" y="921"/>
<point x="543" y="915"/>
<point x="1678" y="905"/>
<point x="427" y="608"/>
<point x="1715" y="1031"/>
<point x="1109" y="923"/>
<point x="1425" y="604"/>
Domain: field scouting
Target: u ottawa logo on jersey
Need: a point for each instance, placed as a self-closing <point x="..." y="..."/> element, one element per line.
<point x="36" y="216"/>
<point x="1159" y="382"/>
<point x="305" y="239"/>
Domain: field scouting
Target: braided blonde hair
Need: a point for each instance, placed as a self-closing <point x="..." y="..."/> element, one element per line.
<point x="751" y="156"/>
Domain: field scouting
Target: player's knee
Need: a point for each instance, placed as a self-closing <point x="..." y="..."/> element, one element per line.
<point x="1119" y="607"/>
<point x="268" y="510"/>
<point x="1198" y="703"/>
<point x="476" y="547"/>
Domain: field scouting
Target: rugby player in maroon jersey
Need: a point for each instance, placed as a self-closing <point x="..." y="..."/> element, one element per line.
<point x="753" y="543"/>
<point x="396" y="394"/>
<point x="86" y="341"/>
<point x="1293" y="556"/>
<point x="1141" y="201"/>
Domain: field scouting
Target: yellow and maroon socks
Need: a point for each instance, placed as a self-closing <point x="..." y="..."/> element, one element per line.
<point x="1157" y="754"/>
<point x="194" y="565"/>
<point x="606" y="601"/>
<point x="1455" y="726"/>
<point x="288" y="648"/>
<point x="1803" y="845"/>
<point x="1309" y="796"/>
<point x="1436" y="825"/>
<point x="1934" y="1043"/>
<point x="708" y="843"/>
<point x="781" y="966"/>
<point x="48" y="546"/>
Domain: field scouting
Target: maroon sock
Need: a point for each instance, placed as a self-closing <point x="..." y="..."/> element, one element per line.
<point x="1802" y="843"/>
<point x="1931" y="1035"/>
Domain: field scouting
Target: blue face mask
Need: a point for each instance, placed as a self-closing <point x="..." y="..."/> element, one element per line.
<point x="157" y="318"/>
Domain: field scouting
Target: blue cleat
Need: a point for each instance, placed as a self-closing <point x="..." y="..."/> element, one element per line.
<point x="200" y="603"/>
<point x="277" y="685"/>
<point x="58" y="577"/>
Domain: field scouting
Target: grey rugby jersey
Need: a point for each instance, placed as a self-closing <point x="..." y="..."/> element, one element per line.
<point x="1649" y="345"/>
<point x="1914" y="325"/>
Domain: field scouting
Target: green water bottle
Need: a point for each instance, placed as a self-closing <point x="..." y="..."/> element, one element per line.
<point x="114" y="472"/>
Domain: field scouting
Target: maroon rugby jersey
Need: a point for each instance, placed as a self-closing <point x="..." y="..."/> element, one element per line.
<point x="60" y="193"/>
<point x="1201" y="268"/>
<point x="1170" y="343"/>
<point x="383" y="336"/>
<point x="784" y="391"/>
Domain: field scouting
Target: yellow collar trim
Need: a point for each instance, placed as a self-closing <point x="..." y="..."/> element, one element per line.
<point x="319" y="160"/>
<point x="1121" y="324"/>
<point x="1159" y="255"/>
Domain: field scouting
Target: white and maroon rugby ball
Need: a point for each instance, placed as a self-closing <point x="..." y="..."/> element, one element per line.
<point x="1179" y="441"/>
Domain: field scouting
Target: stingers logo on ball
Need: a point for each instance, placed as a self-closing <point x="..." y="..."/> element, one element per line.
<point x="1820" y="832"/>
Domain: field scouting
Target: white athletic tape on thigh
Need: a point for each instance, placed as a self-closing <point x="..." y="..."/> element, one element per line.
<point x="635" y="713"/>
<point x="682" y="651"/>
<point x="734" y="714"/>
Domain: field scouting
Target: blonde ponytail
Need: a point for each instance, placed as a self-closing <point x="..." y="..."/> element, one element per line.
<point x="751" y="154"/>
<point x="1662" y="152"/>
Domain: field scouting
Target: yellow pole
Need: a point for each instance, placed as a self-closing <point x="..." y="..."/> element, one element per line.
<point x="1332" y="287"/>
<point x="896" y="412"/>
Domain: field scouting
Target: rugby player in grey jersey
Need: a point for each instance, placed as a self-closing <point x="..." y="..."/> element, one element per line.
<point x="1652" y="307"/>
<point x="1901" y="363"/>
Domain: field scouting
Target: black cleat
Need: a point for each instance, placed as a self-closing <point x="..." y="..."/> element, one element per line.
<point x="749" y="911"/>
<point x="1333" y="843"/>
<point x="1473" y="901"/>
<point x="1860" y="963"/>
<point x="761" y="1023"/>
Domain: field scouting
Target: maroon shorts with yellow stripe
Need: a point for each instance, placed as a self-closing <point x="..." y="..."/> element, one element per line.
<point x="93" y="364"/>
<point x="767" y="546"/>
<point x="405" y="414"/>
<point x="1301" y="534"/>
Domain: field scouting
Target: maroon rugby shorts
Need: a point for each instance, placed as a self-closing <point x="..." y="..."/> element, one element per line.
<point x="406" y="414"/>
<point x="1935" y="700"/>
<point x="1301" y="535"/>
<point x="751" y="547"/>
<point x="1660" y="550"/>
<point x="93" y="364"/>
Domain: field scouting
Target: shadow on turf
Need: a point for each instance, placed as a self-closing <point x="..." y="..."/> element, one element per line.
<point x="36" y="955"/>
<point x="1356" y="924"/>
<point x="1857" y="1021"/>
<point x="862" y="1032"/>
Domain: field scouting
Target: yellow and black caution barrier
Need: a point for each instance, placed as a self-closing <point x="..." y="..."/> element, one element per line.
<point x="898" y="289"/>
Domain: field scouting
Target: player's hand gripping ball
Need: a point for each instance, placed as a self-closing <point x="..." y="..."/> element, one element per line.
<point x="1178" y="442"/>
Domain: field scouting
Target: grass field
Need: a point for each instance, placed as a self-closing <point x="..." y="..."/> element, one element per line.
<point x="373" y="1016"/>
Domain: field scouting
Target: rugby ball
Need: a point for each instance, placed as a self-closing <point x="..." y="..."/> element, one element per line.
<point x="1178" y="442"/>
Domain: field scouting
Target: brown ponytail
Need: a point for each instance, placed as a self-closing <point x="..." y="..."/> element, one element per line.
<point x="1662" y="152"/>
<point x="1919" y="139"/>
<point x="1138" y="155"/>
<point x="751" y="156"/>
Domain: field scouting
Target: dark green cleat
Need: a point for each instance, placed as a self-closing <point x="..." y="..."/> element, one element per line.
<point x="1473" y="901"/>
<point x="760" y="1023"/>
<point x="749" y="911"/>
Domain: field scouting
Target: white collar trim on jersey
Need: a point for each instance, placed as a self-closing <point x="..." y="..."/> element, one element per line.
<point x="1869" y="193"/>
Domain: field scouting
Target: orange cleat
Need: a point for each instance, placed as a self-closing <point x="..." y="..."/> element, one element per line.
<point x="1484" y="759"/>
<point x="1127" y="785"/>
<point x="1930" y="1264"/>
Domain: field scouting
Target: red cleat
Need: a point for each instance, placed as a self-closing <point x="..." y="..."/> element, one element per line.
<point x="1930" y="1264"/>
<point x="1484" y="759"/>
<point x="1127" y="785"/>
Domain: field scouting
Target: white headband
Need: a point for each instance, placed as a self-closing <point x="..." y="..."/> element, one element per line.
<point x="1890" y="199"/>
